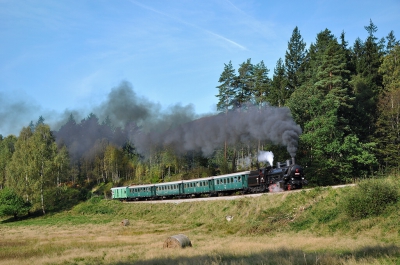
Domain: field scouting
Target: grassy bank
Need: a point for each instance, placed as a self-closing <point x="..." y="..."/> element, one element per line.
<point x="317" y="226"/>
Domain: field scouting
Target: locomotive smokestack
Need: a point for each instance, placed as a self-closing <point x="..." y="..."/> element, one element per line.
<point x="293" y="161"/>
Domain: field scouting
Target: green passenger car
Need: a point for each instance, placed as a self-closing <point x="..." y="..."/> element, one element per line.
<point x="120" y="193"/>
<point x="138" y="192"/>
<point x="197" y="186"/>
<point x="169" y="189"/>
<point x="231" y="182"/>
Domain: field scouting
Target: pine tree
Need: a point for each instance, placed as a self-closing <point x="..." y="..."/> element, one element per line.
<point x="244" y="84"/>
<point x="391" y="42"/>
<point x="261" y="85"/>
<point x="366" y="84"/>
<point x="279" y="87"/>
<point x="294" y="61"/>
<point x="226" y="90"/>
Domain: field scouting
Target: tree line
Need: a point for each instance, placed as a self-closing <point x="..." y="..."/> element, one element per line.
<point x="345" y="98"/>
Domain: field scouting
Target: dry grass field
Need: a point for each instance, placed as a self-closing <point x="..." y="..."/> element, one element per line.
<point x="301" y="228"/>
<point x="115" y="244"/>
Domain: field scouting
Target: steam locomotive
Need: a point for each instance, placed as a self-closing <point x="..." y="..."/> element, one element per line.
<point x="285" y="176"/>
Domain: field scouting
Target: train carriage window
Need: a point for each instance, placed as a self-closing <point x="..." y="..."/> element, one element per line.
<point x="239" y="179"/>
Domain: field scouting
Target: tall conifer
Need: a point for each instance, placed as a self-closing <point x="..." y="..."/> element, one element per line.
<point x="294" y="60"/>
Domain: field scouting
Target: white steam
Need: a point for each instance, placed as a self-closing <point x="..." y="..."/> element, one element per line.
<point x="266" y="156"/>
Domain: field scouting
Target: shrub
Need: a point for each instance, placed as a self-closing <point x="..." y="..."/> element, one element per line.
<point x="370" y="198"/>
<point x="12" y="204"/>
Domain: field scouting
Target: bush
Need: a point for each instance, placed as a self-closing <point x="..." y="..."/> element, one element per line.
<point x="370" y="198"/>
<point x="12" y="204"/>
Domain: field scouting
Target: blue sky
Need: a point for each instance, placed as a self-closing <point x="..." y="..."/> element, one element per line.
<point x="57" y="56"/>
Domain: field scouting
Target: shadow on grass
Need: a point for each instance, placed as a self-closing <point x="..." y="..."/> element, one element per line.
<point x="22" y="218"/>
<point x="374" y="254"/>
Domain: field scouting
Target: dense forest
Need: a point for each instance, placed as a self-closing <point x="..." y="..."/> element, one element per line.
<point x="340" y="103"/>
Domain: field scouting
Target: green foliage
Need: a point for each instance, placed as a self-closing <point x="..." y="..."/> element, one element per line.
<point x="64" y="198"/>
<point x="370" y="198"/>
<point x="387" y="123"/>
<point x="97" y="205"/>
<point x="11" y="204"/>
<point x="7" y="148"/>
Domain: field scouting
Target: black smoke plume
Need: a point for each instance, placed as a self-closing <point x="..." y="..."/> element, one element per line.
<point x="242" y="125"/>
<point x="124" y="117"/>
<point x="115" y="121"/>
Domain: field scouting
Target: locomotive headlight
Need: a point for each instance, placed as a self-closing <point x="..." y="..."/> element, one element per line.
<point x="292" y="178"/>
